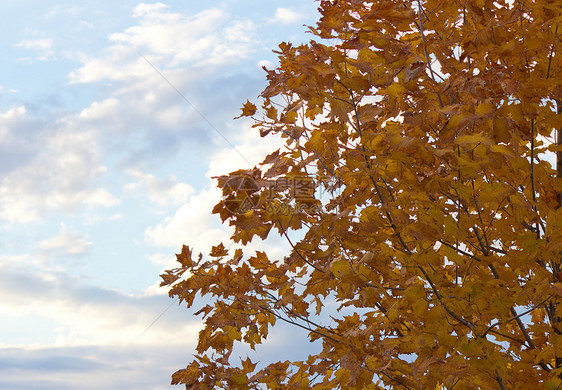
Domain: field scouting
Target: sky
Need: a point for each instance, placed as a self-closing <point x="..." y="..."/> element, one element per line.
<point x="114" y="116"/>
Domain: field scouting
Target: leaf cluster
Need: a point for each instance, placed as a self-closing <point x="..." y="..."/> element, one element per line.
<point x="440" y="237"/>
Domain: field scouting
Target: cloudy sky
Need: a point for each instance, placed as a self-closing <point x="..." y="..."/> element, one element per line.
<point x="113" y="118"/>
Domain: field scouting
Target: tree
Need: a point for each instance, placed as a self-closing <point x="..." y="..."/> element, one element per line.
<point x="430" y="125"/>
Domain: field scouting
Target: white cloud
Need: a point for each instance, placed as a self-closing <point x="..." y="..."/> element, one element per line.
<point x="158" y="32"/>
<point x="93" y="367"/>
<point x="265" y="63"/>
<point x="58" y="176"/>
<point x="43" y="47"/>
<point x="166" y="260"/>
<point x="286" y="16"/>
<point x="192" y="222"/>
<point x="66" y="243"/>
<point x="65" y="170"/>
<point x="189" y="50"/>
<point x="144" y="9"/>
<point x="36" y="44"/>
<point x="13" y="113"/>
<point x="10" y="118"/>
<point x="162" y="192"/>
<point x="250" y="150"/>
<point x="63" y="10"/>
<point x="92" y="198"/>
<point x="79" y="314"/>
<point x="120" y="64"/>
<point x="86" y="24"/>
<point x="239" y="31"/>
<point x="168" y="39"/>
<point x="96" y="110"/>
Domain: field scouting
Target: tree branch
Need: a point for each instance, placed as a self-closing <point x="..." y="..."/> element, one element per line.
<point x="296" y="250"/>
<point x="420" y="10"/>
<point x="516" y="317"/>
<point x="500" y="380"/>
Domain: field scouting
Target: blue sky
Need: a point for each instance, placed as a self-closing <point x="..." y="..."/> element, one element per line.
<point x="106" y="172"/>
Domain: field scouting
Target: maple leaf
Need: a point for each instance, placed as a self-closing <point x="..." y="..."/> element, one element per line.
<point x="413" y="70"/>
<point x="248" y="109"/>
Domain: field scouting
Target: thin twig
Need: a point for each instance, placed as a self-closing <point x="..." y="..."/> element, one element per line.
<point x="420" y="10"/>
<point x="533" y="188"/>
<point x="500" y="380"/>
<point x="514" y="317"/>
<point x="295" y="249"/>
<point x="551" y="53"/>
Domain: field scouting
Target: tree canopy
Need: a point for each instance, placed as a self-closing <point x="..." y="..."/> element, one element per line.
<point x="430" y="129"/>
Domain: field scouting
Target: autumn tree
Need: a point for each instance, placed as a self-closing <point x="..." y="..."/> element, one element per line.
<point x="430" y="128"/>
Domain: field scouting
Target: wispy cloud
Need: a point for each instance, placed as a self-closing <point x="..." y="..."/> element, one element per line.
<point x="192" y="221"/>
<point x="286" y="16"/>
<point x="59" y="175"/>
<point x="91" y="367"/>
<point x="168" y="192"/>
<point x="36" y="44"/>
<point x="42" y="47"/>
<point x="169" y="39"/>
<point x="66" y="243"/>
<point x="84" y="314"/>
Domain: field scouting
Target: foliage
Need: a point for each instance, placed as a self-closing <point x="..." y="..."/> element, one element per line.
<point x="428" y="124"/>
